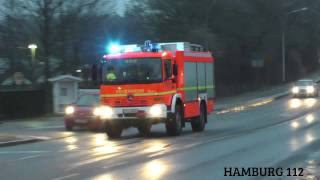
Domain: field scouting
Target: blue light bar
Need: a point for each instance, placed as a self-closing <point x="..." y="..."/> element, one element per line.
<point x="116" y="48"/>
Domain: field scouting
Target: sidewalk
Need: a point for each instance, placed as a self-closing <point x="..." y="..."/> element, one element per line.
<point x="13" y="140"/>
<point x="259" y="96"/>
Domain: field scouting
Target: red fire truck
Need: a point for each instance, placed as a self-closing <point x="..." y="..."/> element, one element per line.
<point x="170" y="83"/>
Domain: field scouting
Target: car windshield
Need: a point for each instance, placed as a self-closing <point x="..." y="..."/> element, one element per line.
<point x="304" y="83"/>
<point x="88" y="100"/>
<point x="132" y="71"/>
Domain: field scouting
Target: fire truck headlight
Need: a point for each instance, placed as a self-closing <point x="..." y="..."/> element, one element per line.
<point x="310" y="89"/>
<point x="69" y="110"/>
<point x="105" y="112"/>
<point x="97" y="111"/>
<point x="295" y="90"/>
<point x="157" y="110"/>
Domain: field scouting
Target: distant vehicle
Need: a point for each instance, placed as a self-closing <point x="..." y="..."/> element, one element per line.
<point x="82" y="113"/>
<point x="305" y="88"/>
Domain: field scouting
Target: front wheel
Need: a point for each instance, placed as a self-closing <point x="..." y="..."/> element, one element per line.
<point x="199" y="124"/>
<point x="174" y="125"/>
<point x="69" y="128"/>
<point x="113" y="130"/>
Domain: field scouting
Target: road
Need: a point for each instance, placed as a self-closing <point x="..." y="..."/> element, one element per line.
<point x="280" y="134"/>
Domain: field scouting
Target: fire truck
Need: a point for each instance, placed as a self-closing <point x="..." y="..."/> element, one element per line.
<point x="142" y="85"/>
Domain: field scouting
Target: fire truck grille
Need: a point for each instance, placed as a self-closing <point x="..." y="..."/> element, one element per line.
<point x="127" y="115"/>
<point x="135" y="102"/>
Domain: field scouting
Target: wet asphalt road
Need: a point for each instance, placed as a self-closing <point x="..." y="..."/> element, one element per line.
<point x="280" y="134"/>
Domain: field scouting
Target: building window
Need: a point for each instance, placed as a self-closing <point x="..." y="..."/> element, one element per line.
<point x="63" y="92"/>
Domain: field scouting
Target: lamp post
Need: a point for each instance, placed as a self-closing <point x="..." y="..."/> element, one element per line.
<point x="33" y="48"/>
<point x="284" y="40"/>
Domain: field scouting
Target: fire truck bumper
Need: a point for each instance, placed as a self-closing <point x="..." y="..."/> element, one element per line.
<point x="155" y="113"/>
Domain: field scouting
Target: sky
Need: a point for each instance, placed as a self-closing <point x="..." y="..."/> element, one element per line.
<point x="121" y="6"/>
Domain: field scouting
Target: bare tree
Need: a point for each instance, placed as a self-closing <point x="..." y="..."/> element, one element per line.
<point x="53" y="23"/>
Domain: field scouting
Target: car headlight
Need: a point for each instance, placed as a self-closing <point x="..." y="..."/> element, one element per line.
<point x="105" y="112"/>
<point x="310" y="89"/>
<point x="97" y="111"/>
<point x="295" y="90"/>
<point x="69" y="110"/>
<point x="157" y="110"/>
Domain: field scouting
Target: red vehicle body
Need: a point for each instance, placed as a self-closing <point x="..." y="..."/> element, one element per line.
<point x="184" y="93"/>
<point x="81" y="113"/>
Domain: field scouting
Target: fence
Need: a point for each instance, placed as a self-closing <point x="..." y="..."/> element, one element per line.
<point x="24" y="102"/>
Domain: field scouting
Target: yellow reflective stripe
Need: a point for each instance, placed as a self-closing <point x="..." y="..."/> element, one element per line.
<point x="156" y="93"/>
<point x="189" y="88"/>
<point x="114" y="95"/>
<point x="194" y="88"/>
<point x="141" y="94"/>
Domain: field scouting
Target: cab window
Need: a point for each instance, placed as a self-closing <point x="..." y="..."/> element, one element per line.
<point x="167" y="69"/>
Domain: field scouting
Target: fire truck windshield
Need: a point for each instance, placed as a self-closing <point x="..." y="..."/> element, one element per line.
<point x="132" y="71"/>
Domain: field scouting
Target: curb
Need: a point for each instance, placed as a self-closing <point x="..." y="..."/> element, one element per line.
<point x="254" y="101"/>
<point x="282" y="95"/>
<point x="18" y="142"/>
<point x="258" y="100"/>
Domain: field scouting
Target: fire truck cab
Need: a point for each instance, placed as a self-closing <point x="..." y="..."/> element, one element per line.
<point x="170" y="83"/>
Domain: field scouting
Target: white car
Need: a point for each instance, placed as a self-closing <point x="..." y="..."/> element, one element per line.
<point x="305" y="88"/>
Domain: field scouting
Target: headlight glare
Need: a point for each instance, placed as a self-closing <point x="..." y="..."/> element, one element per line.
<point x="156" y="110"/>
<point x="69" y="110"/>
<point x="295" y="90"/>
<point x="105" y="112"/>
<point x="310" y="89"/>
<point x="97" y="111"/>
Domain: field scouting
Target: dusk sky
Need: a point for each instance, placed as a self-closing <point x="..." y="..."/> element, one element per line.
<point x="121" y="6"/>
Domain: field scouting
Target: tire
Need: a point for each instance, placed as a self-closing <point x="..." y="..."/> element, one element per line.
<point x="144" y="129"/>
<point x="174" y="125"/>
<point x="199" y="124"/>
<point x="69" y="128"/>
<point x="113" y="130"/>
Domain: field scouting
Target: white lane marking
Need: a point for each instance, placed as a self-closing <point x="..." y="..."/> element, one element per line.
<point x="41" y="137"/>
<point x="66" y="177"/>
<point x="47" y="127"/>
<point x="91" y="161"/>
<point x="115" y="165"/>
<point x="22" y="152"/>
<point x="30" y="157"/>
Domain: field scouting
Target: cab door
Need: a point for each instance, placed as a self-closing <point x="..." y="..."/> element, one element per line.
<point x="167" y="75"/>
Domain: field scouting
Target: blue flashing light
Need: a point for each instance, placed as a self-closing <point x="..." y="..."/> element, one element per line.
<point x="131" y="48"/>
<point x="117" y="49"/>
<point x="151" y="47"/>
<point x="180" y="46"/>
<point x="114" y="48"/>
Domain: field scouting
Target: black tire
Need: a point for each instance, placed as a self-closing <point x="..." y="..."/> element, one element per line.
<point x="144" y="129"/>
<point x="199" y="124"/>
<point x="113" y="130"/>
<point x="69" y="128"/>
<point x="174" y="125"/>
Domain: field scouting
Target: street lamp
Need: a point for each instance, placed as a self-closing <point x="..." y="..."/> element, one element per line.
<point x="284" y="41"/>
<point x="33" y="48"/>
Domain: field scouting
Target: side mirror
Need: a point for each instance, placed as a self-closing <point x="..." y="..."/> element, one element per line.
<point x="175" y="70"/>
<point x="94" y="73"/>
